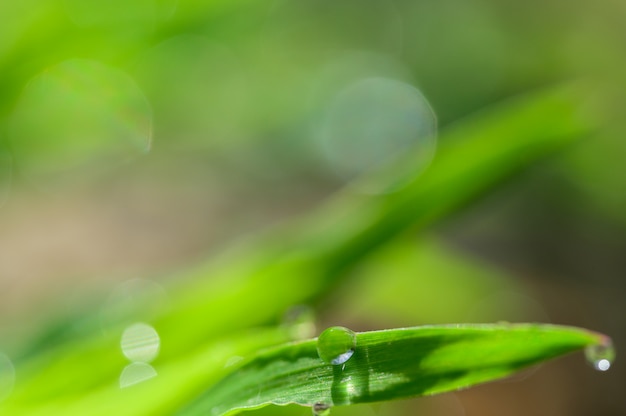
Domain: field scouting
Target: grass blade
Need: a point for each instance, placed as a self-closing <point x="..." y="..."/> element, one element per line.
<point x="391" y="364"/>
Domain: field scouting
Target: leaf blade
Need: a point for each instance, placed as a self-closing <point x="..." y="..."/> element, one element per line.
<point x="390" y="364"/>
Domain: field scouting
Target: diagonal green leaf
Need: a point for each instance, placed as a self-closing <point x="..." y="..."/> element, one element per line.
<point x="178" y="381"/>
<point x="391" y="364"/>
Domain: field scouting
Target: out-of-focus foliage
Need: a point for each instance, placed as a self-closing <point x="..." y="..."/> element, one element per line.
<point x="138" y="139"/>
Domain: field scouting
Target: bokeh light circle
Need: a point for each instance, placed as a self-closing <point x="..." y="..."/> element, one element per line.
<point x="373" y="122"/>
<point x="140" y="343"/>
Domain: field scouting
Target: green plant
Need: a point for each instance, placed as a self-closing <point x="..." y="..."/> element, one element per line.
<point x="127" y="106"/>
<point x="392" y="364"/>
<point x="74" y="367"/>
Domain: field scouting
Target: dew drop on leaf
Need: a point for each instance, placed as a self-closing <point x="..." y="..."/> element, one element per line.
<point x="600" y="356"/>
<point x="336" y="345"/>
<point x="321" y="409"/>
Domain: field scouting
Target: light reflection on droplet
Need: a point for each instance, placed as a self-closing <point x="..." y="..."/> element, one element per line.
<point x="371" y="124"/>
<point x="136" y="373"/>
<point x="603" y="364"/>
<point x="7" y="376"/>
<point x="601" y="356"/>
<point x="140" y="343"/>
<point x="76" y="120"/>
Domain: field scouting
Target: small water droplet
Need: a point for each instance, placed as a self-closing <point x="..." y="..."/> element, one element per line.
<point x="336" y="345"/>
<point x="140" y="343"/>
<point x="321" y="409"/>
<point x="601" y="356"/>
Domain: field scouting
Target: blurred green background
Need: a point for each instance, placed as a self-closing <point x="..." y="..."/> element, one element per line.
<point x="139" y="138"/>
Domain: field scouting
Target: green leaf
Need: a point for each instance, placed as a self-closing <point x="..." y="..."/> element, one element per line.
<point x="391" y="364"/>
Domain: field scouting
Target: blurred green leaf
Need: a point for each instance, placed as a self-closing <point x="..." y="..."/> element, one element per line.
<point x="59" y="388"/>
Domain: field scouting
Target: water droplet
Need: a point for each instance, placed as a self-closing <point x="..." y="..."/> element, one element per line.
<point x="321" y="409"/>
<point x="136" y="373"/>
<point x="336" y="345"/>
<point x="601" y="356"/>
<point x="300" y="322"/>
<point x="140" y="343"/>
<point x="7" y="376"/>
